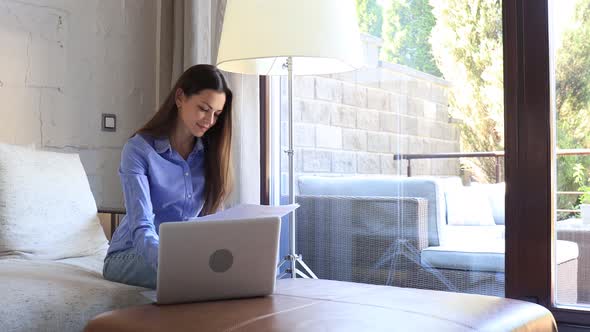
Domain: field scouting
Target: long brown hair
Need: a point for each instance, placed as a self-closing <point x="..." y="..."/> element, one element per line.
<point x="216" y="141"/>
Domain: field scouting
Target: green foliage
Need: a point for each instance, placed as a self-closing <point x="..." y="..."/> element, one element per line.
<point x="370" y="16"/>
<point x="467" y="45"/>
<point x="406" y="35"/>
<point x="572" y="78"/>
<point x="580" y="177"/>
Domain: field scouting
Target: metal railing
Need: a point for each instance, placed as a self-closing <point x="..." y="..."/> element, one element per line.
<point x="491" y="154"/>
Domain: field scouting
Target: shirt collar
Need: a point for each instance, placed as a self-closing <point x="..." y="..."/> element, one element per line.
<point x="162" y="145"/>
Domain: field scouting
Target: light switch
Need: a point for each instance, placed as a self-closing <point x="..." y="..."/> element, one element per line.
<point x="109" y="122"/>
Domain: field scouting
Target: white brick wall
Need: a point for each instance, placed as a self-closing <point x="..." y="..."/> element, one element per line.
<point x="328" y="137"/>
<point x="62" y="64"/>
<point x="362" y="118"/>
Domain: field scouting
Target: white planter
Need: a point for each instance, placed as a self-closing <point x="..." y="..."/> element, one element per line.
<point x="585" y="208"/>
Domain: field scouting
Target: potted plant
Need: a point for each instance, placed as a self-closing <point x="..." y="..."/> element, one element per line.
<point x="581" y="180"/>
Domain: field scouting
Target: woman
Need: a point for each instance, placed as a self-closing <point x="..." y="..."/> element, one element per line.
<point x="176" y="167"/>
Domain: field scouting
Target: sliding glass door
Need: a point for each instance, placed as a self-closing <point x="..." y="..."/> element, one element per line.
<point x="399" y="166"/>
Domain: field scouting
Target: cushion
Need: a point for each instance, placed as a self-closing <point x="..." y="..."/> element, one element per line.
<point x="41" y="295"/>
<point x="496" y="193"/>
<point x="468" y="206"/>
<point x="451" y="234"/>
<point x="483" y="256"/>
<point x="47" y="210"/>
<point x="430" y="188"/>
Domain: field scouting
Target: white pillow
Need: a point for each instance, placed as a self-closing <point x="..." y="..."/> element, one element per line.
<point x="468" y="206"/>
<point x="496" y="193"/>
<point x="47" y="210"/>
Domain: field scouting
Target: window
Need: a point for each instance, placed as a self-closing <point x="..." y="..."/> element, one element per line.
<point x="399" y="166"/>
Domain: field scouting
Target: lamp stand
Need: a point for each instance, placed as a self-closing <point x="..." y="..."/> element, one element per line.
<point x="293" y="258"/>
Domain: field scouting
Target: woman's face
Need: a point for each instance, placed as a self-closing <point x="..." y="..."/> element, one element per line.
<point x="200" y="111"/>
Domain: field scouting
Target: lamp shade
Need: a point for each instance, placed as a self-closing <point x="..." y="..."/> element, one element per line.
<point x="321" y="36"/>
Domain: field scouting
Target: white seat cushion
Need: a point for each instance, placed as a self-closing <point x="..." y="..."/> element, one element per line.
<point x="452" y="234"/>
<point x="47" y="210"/>
<point x="483" y="257"/>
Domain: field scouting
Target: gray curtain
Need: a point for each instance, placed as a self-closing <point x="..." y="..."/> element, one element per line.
<point x="188" y="34"/>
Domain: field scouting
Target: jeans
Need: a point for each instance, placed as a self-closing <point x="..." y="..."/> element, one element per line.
<point x="129" y="267"/>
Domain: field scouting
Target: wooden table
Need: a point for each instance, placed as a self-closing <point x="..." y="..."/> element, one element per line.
<point x="321" y="305"/>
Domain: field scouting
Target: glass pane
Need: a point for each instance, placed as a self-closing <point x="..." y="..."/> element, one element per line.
<point x="571" y="90"/>
<point x="399" y="166"/>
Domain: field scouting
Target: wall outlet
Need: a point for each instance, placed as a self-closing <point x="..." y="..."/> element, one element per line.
<point x="109" y="122"/>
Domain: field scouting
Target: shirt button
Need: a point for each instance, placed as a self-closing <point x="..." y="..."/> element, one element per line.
<point x="189" y="195"/>
<point x="186" y="174"/>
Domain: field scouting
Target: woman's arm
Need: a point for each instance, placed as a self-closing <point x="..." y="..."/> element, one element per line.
<point x="136" y="189"/>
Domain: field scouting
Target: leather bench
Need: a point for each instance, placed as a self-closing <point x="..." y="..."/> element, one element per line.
<point x="323" y="305"/>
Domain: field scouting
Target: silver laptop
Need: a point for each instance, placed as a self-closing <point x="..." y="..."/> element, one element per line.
<point x="213" y="260"/>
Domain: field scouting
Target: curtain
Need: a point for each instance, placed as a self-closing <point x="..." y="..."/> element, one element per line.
<point x="188" y="33"/>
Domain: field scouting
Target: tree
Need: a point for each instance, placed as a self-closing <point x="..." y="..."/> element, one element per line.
<point x="406" y="35"/>
<point x="572" y="83"/>
<point x="370" y="16"/>
<point x="467" y="45"/>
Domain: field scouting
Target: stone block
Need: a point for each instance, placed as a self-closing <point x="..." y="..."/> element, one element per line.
<point x="389" y="122"/>
<point x="426" y="128"/>
<point x="369" y="120"/>
<point x="304" y="135"/>
<point x="400" y="144"/>
<point x="421" y="167"/>
<point x="456" y="136"/>
<point x="398" y="104"/>
<point x="430" y="110"/>
<point x="297" y="160"/>
<point x="364" y="76"/>
<point x="430" y="145"/>
<point x="328" y="89"/>
<point x="316" y="112"/>
<point x="368" y="163"/>
<point x="394" y="82"/>
<point x="439" y="94"/>
<point x="344" y="116"/>
<point x="409" y="125"/>
<point x="317" y="161"/>
<point x="442" y="113"/>
<point x="378" y="99"/>
<point x="415" y="145"/>
<point x="415" y="107"/>
<point x="353" y="139"/>
<point x="354" y="95"/>
<point x="390" y="166"/>
<point x="328" y="137"/>
<point x="344" y="162"/>
<point x="304" y="87"/>
<point x="443" y="131"/>
<point x="378" y="142"/>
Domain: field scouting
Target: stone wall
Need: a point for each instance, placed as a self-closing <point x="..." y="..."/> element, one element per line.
<point x="62" y="64"/>
<point x="354" y="123"/>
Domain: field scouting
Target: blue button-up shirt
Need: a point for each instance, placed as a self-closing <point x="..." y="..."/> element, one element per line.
<point x="159" y="186"/>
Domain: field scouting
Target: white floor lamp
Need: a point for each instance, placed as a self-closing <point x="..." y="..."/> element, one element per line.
<point x="290" y="37"/>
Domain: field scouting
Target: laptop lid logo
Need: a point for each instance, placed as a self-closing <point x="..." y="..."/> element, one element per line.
<point x="221" y="260"/>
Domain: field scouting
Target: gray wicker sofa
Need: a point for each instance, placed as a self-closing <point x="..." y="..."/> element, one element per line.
<point x="392" y="230"/>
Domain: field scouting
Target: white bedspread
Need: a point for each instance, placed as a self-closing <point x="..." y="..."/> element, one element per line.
<point x="58" y="295"/>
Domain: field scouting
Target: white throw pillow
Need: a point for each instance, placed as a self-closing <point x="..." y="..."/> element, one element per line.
<point x="496" y="193"/>
<point x="47" y="210"/>
<point x="468" y="206"/>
